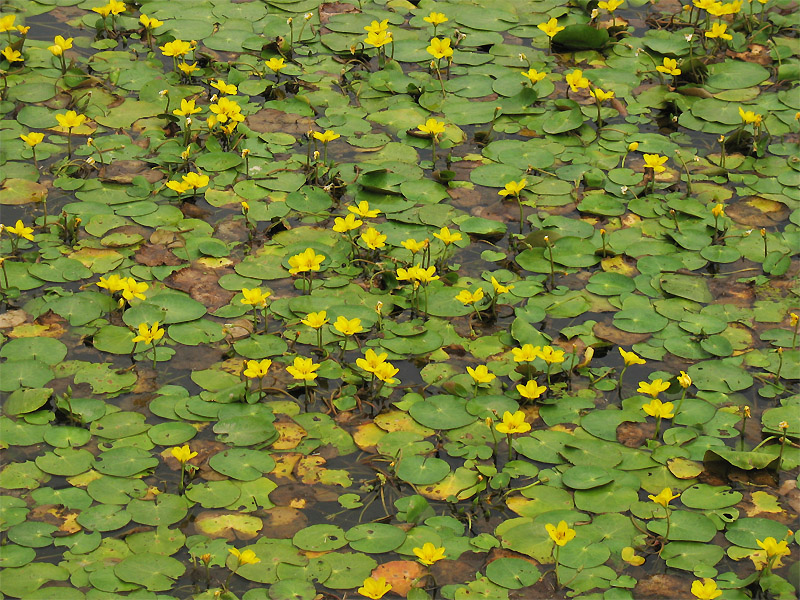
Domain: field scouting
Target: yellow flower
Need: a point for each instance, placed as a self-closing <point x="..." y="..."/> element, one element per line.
<point x="7" y="23"/>
<point x="187" y="108"/>
<point x="177" y="186"/>
<point x="425" y="275"/>
<point x="254" y="297"/>
<point x="432" y="127"/>
<point x="114" y="283"/>
<point x="664" y="497"/>
<point x="500" y="288"/>
<point x="534" y="75"/>
<point x="116" y="7"/>
<point x="750" y="117"/>
<point x="226" y="109"/>
<point x="377" y="27"/>
<point x="316" y="319"/>
<point x="653" y="389"/>
<point x="59" y="45"/>
<point x="669" y="66"/>
<point x="103" y="11"/>
<point x="307" y="260"/>
<point x="551" y="355"/>
<point x="440" y="48"/>
<point x="257" y="369"/>
<point x="611" y="5"/>
<point x="70" y="120"/>
<point x="706" y="589"/>
<point x="385" y="372"/>
<point x="628" y="554"/>
<point x="373" y="238"/>
<point x="363" y="210"/>
<point x="513" y="188"/>
<point x="600" y="95"/>
<point x="718" y="210"/>
<point x="248" y="557"/>
<point x="176" y="48"/>
<point x="718" y="31"/>
<point x="531" y="390"/>
<point x="134" y="289"/>
<point x="348" y="327"/>
<point x="374" y="588"/>
<point x="772" y="547"/>
<point x="435" y="18"/>
<point x="793" y="319"/>
<point x="576" y="80"/>
<point x="188" y="69"/>
<point x="655" y="162"/>
<point x="513" y="423"/>
<point x="481" y="374"/>
<point x="631" y="358"/>
<point x="550" y="28"/>
<point x="11" y="55"/>
<point x="413" y="245"/>
<point x="195" y="180"/>
<point x="326" y="137"/>
<point x="528" y="353"/>
<point x="150" y="22"/>
<point x="20" y="230"/>
<point x="275" y="64"/>
<point x="684" y="380"/>
<point x="182" y="454"/>
<point x="560" y="534"/>
<point x="343" y="225"/>
<point x="467" y="297"/>
<point x="303" y="369"/>
<point x="378" y="39"/>
<point x="429" y="553"/>
<point x="372" y="360"/>
<point x="149" y="335"/>
<point x="703" y="4"/>
<point x="447" y="237"/>
<point x="658" y="409"/>
<point x="32" y="138"/>
<point x="223" y="87"/>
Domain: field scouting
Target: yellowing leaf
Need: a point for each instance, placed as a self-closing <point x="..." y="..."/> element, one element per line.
<point x="763" y="502"/>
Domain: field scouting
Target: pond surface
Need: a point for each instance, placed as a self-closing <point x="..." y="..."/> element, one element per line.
<point x="387" y="299"/>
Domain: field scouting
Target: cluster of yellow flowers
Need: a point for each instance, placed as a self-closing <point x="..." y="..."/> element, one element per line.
<point x="190" y="181"/>
<point x="378" y="33"/>
<point x="129" y="287"/>
<point x="378" y="366"/>
<point x="114" y="7"/>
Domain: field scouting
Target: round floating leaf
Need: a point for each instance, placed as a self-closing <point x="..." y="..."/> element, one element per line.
<point x="583" y="554"/>
<point x="103" y="517"/>
<point x="125" y="462"/>
<point x="15" y="374"/>
<point x="24" y="581"/>
<point x="242" y="464"/>
<point x="744" y="532"/>
<point x="214" y="494"/>
<point x="292" y="589"/>
<point x="709" y="497"/>
<point x="692" y="556"/>
<point x="585" y="477"/>
<point x="639" y="320"/>
<point x="375" y="538"/>
<point x="171" y="434"/>
<point x="442" y="412"/>
<point x="47" y="350"/>
<point x="320" y="538"/>
<point x="246" y="430"/>
<point x="420" y="470"/>
<point x="26" y="401"/>
<point x="685" y="526"/>
<point x="348" y="570"/>
<point x="65" y="462"/>
<point x="166" y="509"/>
<point x="512" y="573"/>
<point x="32" y="534"/>
<point x="155" y="572"/>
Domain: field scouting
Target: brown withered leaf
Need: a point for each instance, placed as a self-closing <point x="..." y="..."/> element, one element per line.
<point x="401" y="575"/>
<point x="202" y="285"/>
<point x="153" y="255"/>
<point x="123" y="171"/>
<point x="272" y="120"/>
<point x="329" y="9"/>
<point x="756" y="53"/>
